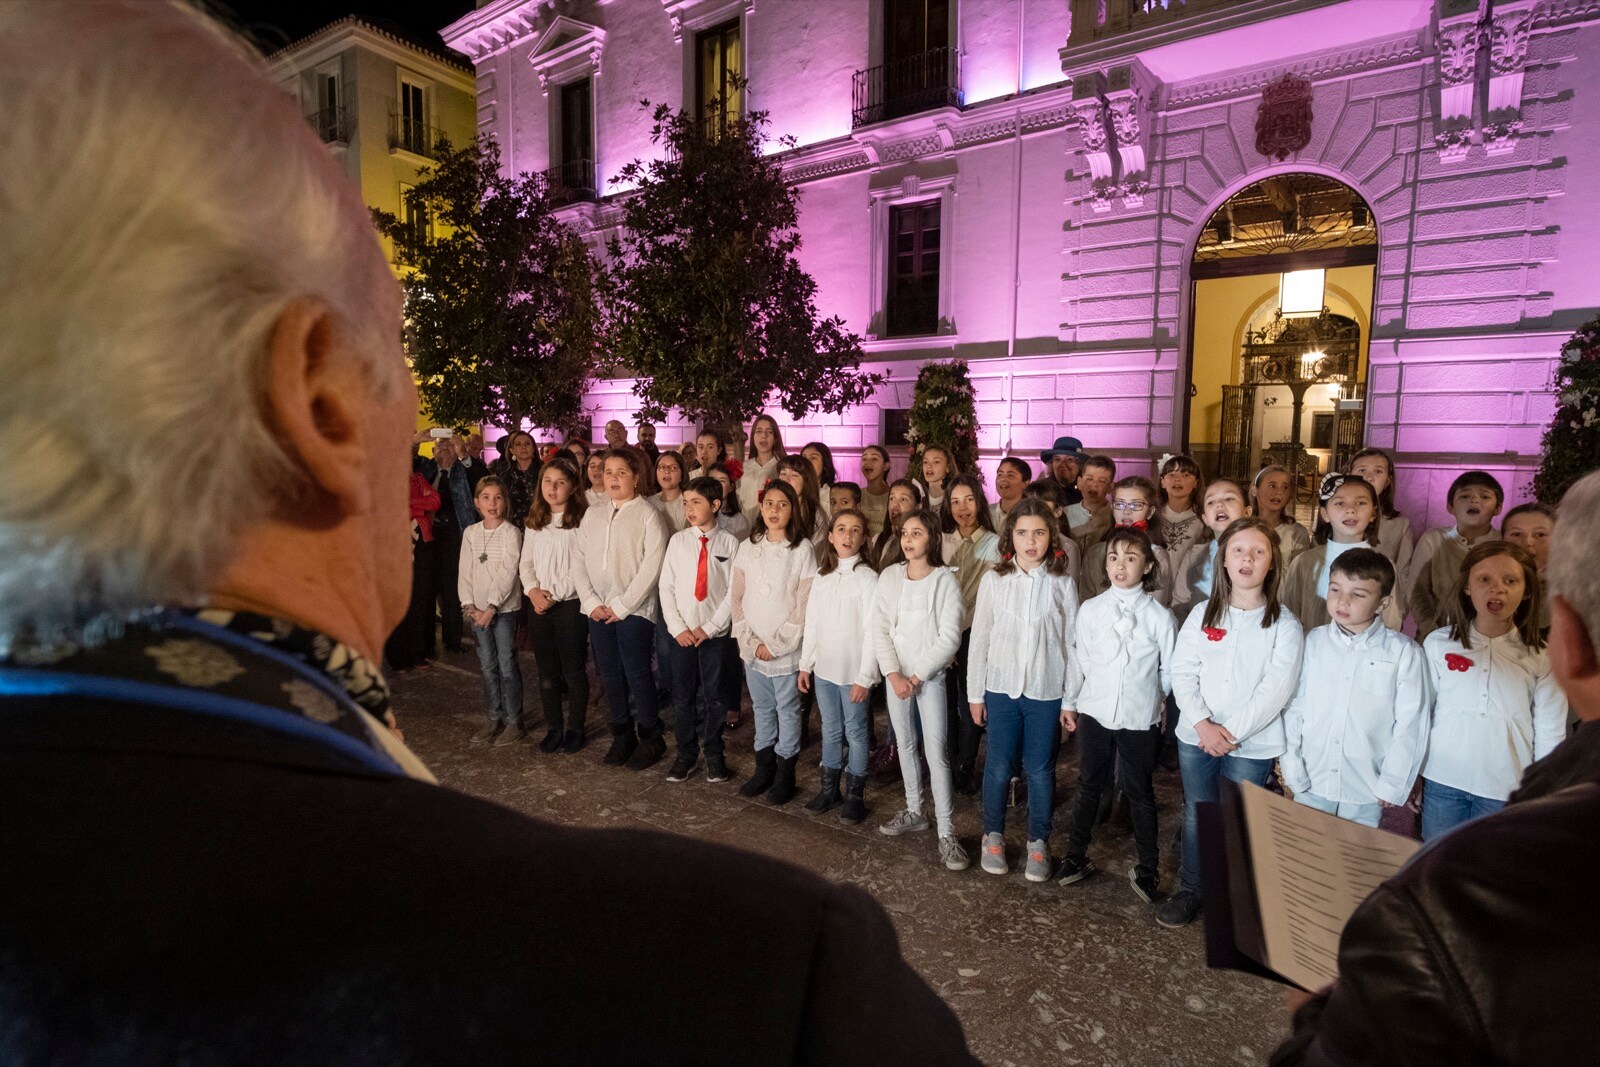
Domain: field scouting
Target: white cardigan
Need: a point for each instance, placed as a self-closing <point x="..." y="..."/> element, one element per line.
<point x="1240" y="676"/>
<point x="922" y="641"/>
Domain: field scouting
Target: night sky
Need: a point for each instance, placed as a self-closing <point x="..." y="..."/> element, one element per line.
<point x="274" y="23"/>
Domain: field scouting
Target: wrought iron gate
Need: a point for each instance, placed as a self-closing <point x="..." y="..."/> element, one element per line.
<point x="1234" y="458"/>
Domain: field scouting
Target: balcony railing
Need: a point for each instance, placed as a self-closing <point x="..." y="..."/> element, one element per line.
<point x="906" y="86"/>
<point x="571" y="182"/>
<point x="409" y="135"/>
<point x="330" y="125"/>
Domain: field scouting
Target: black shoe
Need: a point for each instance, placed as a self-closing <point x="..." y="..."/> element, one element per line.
<point x="551" y="742"/>
<point x="761" y="778"/>
<point x="572" y="741"/>
<point x="855" y="804"/>
<point x="827" y="797"/>
<point x="1179" y="909"/>
<point x="1148" y="886"/>
<point x="966" y="783"/>
<point x="716" y="769"/>
<point x="623" y="742"/>
<point x="783" y="787"/>
<point x="1076" y="870"/>
<point x="683" y="766"/>
<point x="649" y="750"/>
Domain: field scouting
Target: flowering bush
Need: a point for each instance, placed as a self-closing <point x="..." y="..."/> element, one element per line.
<point x="944" y="412"/>
<point x="1572" y="443"/>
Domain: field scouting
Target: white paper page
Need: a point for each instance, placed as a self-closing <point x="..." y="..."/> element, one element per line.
<point x="1311" y="871"/>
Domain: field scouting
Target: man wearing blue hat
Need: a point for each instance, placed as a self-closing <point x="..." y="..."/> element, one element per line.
<point x="1065" y="458"/>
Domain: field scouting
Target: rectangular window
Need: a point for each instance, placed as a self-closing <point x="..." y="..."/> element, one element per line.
<point x="414" y="217"/>
<point x="896" y="423"/>
<point x="573" y="176"/>
<point x="413" y="120"/>
<point x="327" y="92"/>
<point x="717" y="64"/>
<point x="914" y="270"/>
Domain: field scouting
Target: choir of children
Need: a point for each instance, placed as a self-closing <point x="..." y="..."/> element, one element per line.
<point x="1280" y="650"/>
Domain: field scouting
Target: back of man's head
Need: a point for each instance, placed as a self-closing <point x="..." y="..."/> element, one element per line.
<point x="164" y="203"/>
<point x="1571" y="574"/>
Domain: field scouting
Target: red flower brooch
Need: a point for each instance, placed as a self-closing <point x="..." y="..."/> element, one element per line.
<point x="735" y="469"/>
<point x="1457" y="662"/>
<point x="1213" y="634"/>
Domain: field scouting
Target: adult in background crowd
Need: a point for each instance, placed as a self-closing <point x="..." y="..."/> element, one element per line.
<point x="271" y="875"/>
<point x="647" y="442"/>
<point x="451" y="481"/>
<point x="520" y="471"/>
<point x="1064" y="459"/>
<point x="472" y="463"/>
<point x="475" y="449"/>
<point x="616" y="434"/>
<point x="1481" y="950"/>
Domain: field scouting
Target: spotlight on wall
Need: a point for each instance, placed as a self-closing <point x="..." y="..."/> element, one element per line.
<point x="1300" y="293"/>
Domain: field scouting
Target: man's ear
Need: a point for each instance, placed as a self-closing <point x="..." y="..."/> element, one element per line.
<point x="315" y="387"/>
<point x="1572" y="645"/>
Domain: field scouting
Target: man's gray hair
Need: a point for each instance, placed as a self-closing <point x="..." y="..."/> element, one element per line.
<point x="164" y="203"/>
<point x="1573" y="572"/>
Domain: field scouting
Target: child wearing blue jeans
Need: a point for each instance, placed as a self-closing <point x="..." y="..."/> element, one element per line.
<point x="491" y="598"/>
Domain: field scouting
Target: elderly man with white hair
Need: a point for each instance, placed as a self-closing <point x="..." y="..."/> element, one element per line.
<point x="1482" y="949"/>
<point x="213" y="847"/>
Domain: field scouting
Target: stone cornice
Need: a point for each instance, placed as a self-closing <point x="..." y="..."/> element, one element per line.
<point x="1388" y="52"/>
<point x="376" y="38"/>
<point x="1565" y="12"/>
<point x="495" y="27"/>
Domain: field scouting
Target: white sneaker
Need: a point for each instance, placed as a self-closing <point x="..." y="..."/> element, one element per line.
<point x="1038" y="866"/>
<point x="905" y="822"/>
<point x="994" y="854"/>
<point x="954" y="856"/>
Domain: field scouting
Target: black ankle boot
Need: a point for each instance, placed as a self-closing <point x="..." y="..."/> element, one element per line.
<point x="651" y="748"/>
<point x="571" y="741"/>
<point x="623" y="742"/>
<point x="761" y="778"/>
<point x="783" y="788"/>
<point x="827" y="797"/>
<point x="855" y="804"/>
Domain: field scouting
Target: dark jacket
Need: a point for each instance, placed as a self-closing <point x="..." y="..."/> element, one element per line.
<point x="1483" y="949"/>
<point x="181" y="889"/>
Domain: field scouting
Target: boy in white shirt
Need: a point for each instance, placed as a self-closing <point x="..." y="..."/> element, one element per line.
<point x="1357" y="727"/>
<point x="696" y="578"/>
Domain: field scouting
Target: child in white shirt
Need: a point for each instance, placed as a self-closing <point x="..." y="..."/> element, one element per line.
<point x="1017" y="676"/>
<point x="556" y="627"/>
<point x="491" y="600"/>
<point x="1234" y="668"/>
<point x="1496" y="705"/>
<point x="1119" y="673"/>
<point x="1196" y="568"/>
<point x="839" y="663"/>
<point x="917" y="630"/>
<point x="1181" y="481"/>
<point x="1358" y="724"/>
<point x="697" y="617"/>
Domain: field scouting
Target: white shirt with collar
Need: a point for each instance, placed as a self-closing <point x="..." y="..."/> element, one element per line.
<point x="1240" y="675"/>
<point x="1357" y="727"/>
<point x="616" y="561"/>
<point x="1021" y="629"/>
<point x="487" y="577"/>
<point x="771" y="587"/>
<point x="680" y="568"/>
<point x="1119" y="671"/>
<point x="837" y="645"/>
<point x="985" y="546"/>
<point x="547" y="558"/>
<point x="1496" y="709"/>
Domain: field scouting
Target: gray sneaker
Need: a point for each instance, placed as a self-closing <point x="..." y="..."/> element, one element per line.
<point x="510" y="736"/>
<point x="954" y="856"/>
<point x="904" y="823"/>
<point x="994" y="854"/>
<point x="1038" y="866"/>
<point x="487" y="734"/>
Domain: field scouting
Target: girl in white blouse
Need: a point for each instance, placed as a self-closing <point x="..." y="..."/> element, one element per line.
<point x="1017" y="674"/>
<point x="917" y="630"/>
<point x="772" y="577"/>
<point x="556" y="626"/>
<point x="490" y="599"/>
<point x="1234" y="668"/>
<point x="1119" y="673"/>
<point x="1496" y="708"/>
<point x="761" y="466"/>
<point x="838" y="661"/>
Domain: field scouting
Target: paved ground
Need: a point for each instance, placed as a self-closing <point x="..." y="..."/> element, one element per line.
<point x="1037" y="973"/>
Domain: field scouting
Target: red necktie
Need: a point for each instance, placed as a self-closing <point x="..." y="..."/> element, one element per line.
<point x="700" y="572"/>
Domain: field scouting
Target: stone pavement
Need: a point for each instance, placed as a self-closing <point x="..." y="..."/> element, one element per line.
<point x="1037" y="973"/>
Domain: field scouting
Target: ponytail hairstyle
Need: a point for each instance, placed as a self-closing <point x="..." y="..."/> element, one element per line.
<point x="1285" y="517"/>
<point x="1130" y="536"/>
<point x="577" y="503"/>
<point x="1055" y="561"/>
<point x="793" y="532"/>
<point x="947" y="520"/>
<point x="1331" y="484"/>
<point x="1526" y="619"/>
<point x="1222" y="582"/>
<point x="829" y="556"/>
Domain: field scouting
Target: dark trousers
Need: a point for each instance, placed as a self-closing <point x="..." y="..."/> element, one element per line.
<point x="1133" y="754"/>
<point x="622" y="654"/>
<point x="701" y="671"/>
<point x="408" y="645"/>
<point x="560" y="639"/>
<point x="964" y="733"/>
<point x="446" y="572"/>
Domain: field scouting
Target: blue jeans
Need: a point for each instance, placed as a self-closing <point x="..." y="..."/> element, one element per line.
<point x="1445" y="807"/>
<point x="1366" y="814"/>
<point x="622" y="652"/>
<point x="698" y="694"/>
<point x="840" y="720"/>
<point x="502" y="677"/>
<point x="1200" y="773"/>
<point x="776" y="703"/>
<point x="1024" y="731"/>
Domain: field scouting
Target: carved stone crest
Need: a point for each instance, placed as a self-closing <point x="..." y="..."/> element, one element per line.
<point x="1458" y="52"/>
<point x="1508" y="42"/>
<point x="1283" y="122"/>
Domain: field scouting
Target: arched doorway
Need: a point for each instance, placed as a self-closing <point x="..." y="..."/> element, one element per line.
<point x="1280" y="313"/>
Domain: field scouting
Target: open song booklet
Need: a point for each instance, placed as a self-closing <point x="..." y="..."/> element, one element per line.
<point x="1282" y="879"/>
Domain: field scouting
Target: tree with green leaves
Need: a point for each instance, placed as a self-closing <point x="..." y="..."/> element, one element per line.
<point x="708" y="308"/>
<point x="1572" y="443"/>
<point x="501" y="305"/>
